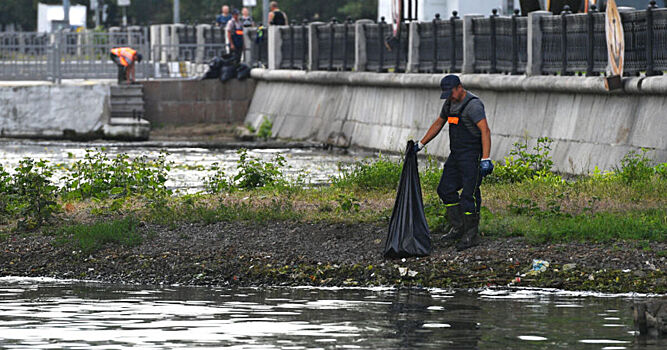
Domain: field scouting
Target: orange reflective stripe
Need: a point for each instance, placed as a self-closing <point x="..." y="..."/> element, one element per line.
<point x="125" y="54"/>
<point x="239" y="32"/>
<point x="453" y="120"/>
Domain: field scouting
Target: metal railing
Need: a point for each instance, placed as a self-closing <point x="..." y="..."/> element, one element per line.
<point x="440" y="45"/>
<point x="335" y="45"/>
<point x="294" y="48"/>
<point x="380" y="55"/>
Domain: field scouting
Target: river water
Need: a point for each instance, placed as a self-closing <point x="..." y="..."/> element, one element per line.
<point x="47" y="313"/>
<point x="190" y="164"/>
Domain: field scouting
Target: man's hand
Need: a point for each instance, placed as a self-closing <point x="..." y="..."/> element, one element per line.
<point x="418" y="147"/>
<point x="485" y="167"/>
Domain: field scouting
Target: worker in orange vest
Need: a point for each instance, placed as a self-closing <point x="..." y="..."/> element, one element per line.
<point x="125" y="58"/>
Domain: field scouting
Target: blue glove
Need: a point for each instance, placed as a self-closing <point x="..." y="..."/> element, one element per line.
<point x="485" y="167"/>
<point x="417" y="147"/>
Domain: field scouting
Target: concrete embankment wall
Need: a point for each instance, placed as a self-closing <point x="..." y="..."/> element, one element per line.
<point x="50" y="110"/>
<point x="182" y="102"/>
<point x="590" y="126"/>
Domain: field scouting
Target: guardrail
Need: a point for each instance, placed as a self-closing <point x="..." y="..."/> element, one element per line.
<point x="539" y="44"/>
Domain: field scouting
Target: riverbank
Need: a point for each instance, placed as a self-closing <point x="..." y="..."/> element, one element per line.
<point x="333" y="254"/>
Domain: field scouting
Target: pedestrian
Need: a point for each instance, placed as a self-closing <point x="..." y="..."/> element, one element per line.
<point x="246" y="18"/>
<point x="468" y="161"/>
<point x="125" y="58"/>
<point x="235" y="35"/>
<point x="223" y="17"/>
<point x="276" y="17"/>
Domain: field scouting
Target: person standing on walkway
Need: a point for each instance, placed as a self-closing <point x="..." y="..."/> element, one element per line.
<point x="468" y="161"/>
<point x="235" y="36"/>
<point x="125" y="58"/>
<point x="246" y="18"/>
<point x="276" y="17"/>
<point x="223" y="17"/>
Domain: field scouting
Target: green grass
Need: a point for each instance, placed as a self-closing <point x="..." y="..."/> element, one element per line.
<point x="648" y="224"/>
<point x="90" y="238"/>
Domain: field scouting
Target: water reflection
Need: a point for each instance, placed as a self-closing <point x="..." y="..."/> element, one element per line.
<point x="42" y="314"/>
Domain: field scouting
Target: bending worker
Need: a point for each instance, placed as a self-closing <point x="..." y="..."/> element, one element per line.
<point x="468" y="161"/>
<point x="125" y="58"/>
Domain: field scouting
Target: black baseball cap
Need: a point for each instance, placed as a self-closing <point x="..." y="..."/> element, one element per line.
<point x="447" y="84"/>
<point x="235" y="12"/>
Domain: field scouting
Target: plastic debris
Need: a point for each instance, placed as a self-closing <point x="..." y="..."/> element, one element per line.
<point x="538" y="267"/>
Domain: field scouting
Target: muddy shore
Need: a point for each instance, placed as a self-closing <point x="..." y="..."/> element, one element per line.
<point x="322" y="254"/>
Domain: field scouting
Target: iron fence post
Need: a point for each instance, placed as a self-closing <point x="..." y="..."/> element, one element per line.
<point x="590" y="42"/>
<point x="650" y="63"/>
<point x="452" y="53"/>
<point x="435" y="42"/>
<point x="563" y="35"/>
<point x="515" y="44"/>
<point x="292" y="42"/>
<point x="345" y="41"/>
<point x="332" y="41"/>
<point x="304" y="47"/>
<point x="381" y="43"/>
<point x="492" y="22"/>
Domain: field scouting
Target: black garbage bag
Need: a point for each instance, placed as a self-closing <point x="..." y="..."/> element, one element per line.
<point x="242" y="71"/>
<point x="214" y="68"/>
<point x="408" y="231"/>
<point x="228" y="73"/>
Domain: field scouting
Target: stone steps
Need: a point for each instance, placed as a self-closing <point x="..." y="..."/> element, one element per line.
<point x="127" y="113"/>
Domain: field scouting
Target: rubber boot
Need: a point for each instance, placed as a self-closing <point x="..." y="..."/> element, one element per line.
<point x="470" y="232"/>
<point x="455" y="220"/>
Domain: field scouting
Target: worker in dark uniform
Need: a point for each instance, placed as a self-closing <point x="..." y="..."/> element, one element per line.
<point x="468" y="161"/>
<point x="235" y="36"/>
<point x="125" y="58"/>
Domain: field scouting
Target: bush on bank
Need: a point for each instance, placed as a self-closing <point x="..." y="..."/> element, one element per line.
<point x="523" y="197"/>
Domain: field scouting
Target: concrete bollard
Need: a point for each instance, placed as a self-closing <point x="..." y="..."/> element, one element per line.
<point x="275" y="47"/>
<point x="413" y="48"/>
<point x="201" y="42"/>
<point x="313" y="46"/>
<point x="469" y="44"/>
<point x="176" y="42"/>
<point x="534" y="40"/>
<point x="165" y="42"/>
<point x="155" y="42"/>
<point x="360" y="57"/>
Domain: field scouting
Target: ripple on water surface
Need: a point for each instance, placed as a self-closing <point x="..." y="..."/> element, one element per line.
<point x="42" y="313"/>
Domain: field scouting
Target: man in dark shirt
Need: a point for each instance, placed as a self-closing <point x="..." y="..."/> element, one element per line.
<point x="468" y="161"/>
<point x="277" y="17"/>
<point x="223" y="17"/>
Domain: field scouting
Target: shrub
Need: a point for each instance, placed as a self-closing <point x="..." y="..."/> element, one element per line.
<point x="254" y="173"/>
<point x="380" y="174"/>
<point x="98" y="176"/>
<point x="218" y="181"/>
<point x="32" y="195"/>
<point x="522" y="164"/>
<point x="264" y="131"/>
<point x="635" y="167"/>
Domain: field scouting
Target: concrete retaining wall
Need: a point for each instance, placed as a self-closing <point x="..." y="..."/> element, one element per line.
<point x="182" y="102"/>
<point x="49" y="110"/>
<point x="590" y="126"/>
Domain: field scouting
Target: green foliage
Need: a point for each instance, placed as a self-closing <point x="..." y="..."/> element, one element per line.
<point x="264" y="131"/>
<point x="523" y="165"/>
<point x="32" y="195"/>
<point x="635" y="167"/>
<point x="98" y="176"/>
<point x="379" y="174"/>
<point x="254" y="173"/>
<point x="347" y="202"/>
<point x="218" y="182"/>
<point x="91" y="238"/>
<point x="603" y="226"/>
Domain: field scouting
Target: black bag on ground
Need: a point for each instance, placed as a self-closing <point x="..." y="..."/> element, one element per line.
<point x="242" y="71"/>
<point x="214" y="69"/>
<point x="408" y="231"/>
<point x="228" y="73"/>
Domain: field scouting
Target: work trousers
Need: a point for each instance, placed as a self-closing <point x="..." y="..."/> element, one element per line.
<point x="461" y="173"/>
